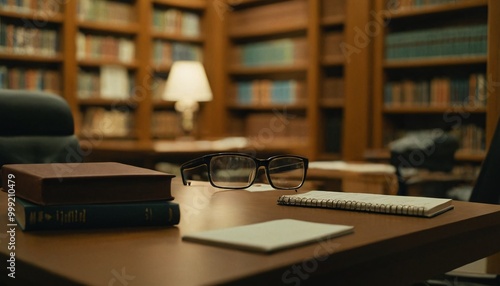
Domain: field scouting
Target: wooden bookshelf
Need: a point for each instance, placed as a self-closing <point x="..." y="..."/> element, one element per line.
<point x="324" y="110"/>
<point x="459" y="70"/>
<point x="342" y="106"/>
<point x="30" y="53"/>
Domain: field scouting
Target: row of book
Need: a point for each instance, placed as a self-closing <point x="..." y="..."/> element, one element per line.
<point x="269" y="126"/>
<point x="265" y="92"/>
<point x="333" y="7"/>
<point x="438" y="91"/>
<point x="280" y="14"/>
<point x="332" y="87"/>
<point x="105" y="10"/>
<point x="110" y="82"/>
<point x="90" y="46"/>
<point x="158" y="87"/>
<point x="471" y="138"/>
<point x="165" y="52"/>
<point x="83" y="198"/>
<point x="117" y="123"/>
<point x="285" y="51"/>
<point x="30" y="78"/>
<point x="415" y="4"/>
<point x="332" y="135"/>
<point x="19" y="39"/>
<point x="30" y="6"/>
<point x="177" y="22"/>
<point x="332" y="45"/>
<point x="166" y="125"/>
<point x="435" y="42"/>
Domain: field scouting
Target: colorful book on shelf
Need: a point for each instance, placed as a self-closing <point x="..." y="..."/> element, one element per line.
<point x="86" y="183"/>
<point x="377" y="203"/>
<point x="436" y="42"/>
<point x="30" y="216"/>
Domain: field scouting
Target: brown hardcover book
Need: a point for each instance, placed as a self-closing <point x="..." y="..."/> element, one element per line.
<point x="85" y="183"/>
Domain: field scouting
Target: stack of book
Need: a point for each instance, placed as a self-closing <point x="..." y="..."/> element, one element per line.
<point x="88" y="195"/>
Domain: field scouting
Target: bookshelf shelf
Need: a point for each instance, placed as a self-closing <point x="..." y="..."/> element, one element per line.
<point x="333" y="61"/>
<point x="177" y="37"/>
<point x="103" y="102"/>
<point x="269" y="107"/>
<point x="461" y="5"/>
<point x="113" y="27"/>
<point x="285" y="69"/>
<point x="288" y="28"/>
<point x="157" y="103"/>
<point x="51" y="17"/>
<point x="460" y="155"/>
<point x="31" y="58"/>
<point x="433" y="109"/>
<point x="333" y="20"/>
<point x="332" y="103"/>
<point x="435" y="62"/>
<point x="192" y="4"/>
<point x="105" y="61"/>
<point x="465" y="155"/>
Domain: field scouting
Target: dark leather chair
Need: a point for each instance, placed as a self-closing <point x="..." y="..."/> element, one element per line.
<point x="36" y="127"/>
<point x="486" y="189"/>
<point x="433" y="150"/>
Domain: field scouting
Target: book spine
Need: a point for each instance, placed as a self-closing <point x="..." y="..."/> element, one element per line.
<point x="352" y="206"/>
<point x="160" y="213"/>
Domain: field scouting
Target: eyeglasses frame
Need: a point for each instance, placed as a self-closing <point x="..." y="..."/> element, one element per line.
<point x="205" y="160"/>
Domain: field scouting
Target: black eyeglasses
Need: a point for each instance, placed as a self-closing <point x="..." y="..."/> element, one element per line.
<point x="239" y="171"/>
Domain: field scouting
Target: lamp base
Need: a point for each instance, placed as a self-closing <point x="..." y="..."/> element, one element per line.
<point x="188" y="109"/>
<point x="186" y="138"/>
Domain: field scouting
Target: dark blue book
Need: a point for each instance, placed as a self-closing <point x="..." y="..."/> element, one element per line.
<point x="31" y="216"/>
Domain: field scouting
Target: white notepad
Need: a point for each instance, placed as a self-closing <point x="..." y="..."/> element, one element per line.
<point x="270" y="236"/>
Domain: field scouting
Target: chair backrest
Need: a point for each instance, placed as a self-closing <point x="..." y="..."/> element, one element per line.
<point x="36" y="127"/>
<point x="487" y="186"/>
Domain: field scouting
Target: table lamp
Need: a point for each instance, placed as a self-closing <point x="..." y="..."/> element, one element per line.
<point x="187" y="84"/>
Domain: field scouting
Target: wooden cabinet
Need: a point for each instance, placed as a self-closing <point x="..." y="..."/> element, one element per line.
<point x="434" y="69"/>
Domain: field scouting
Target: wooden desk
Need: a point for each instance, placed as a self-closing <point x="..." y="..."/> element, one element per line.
<point x="353" y="177"/>
<point x="384" y="249"/>
<point x="147" y="154"/>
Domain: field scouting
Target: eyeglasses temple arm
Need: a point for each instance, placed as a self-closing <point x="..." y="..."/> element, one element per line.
<point x="189" y="165"/>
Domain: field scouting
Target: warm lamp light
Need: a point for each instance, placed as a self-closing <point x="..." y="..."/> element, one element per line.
<point x="187" y="84"/>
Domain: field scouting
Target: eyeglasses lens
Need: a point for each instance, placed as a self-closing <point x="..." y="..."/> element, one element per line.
<point x="232" y="171"/>
<point x="287" y="172"/>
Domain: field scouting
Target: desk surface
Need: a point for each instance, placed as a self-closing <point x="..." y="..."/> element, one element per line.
<point x="384" y="249"/>
<point x="147" y="154"/>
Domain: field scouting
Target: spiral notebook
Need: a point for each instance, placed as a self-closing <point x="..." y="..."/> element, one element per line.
<point x="389" y="204"/>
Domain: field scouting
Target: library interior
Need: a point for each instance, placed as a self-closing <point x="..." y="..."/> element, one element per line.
<point x="386" y="97"/>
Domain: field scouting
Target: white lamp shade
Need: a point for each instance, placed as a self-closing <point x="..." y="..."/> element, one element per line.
<point x="187" y="81"/>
